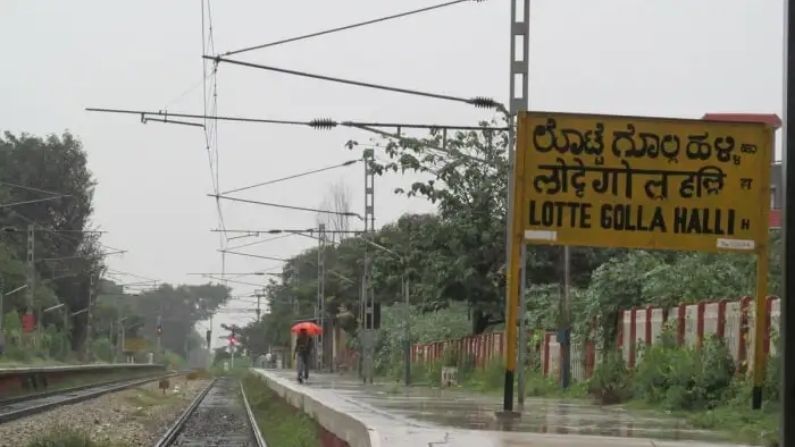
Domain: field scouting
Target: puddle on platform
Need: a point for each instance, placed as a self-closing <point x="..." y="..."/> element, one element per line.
<point x="455" y="408"/>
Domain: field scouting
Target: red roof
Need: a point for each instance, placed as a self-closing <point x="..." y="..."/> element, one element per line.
<point x="771" y="119"/>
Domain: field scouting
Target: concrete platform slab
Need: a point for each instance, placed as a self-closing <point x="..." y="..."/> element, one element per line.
<point x="363" y="418"/>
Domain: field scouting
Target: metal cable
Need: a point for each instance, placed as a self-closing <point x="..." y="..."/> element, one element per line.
<point x="290" y="177"/>
<point x="347" y="27"/>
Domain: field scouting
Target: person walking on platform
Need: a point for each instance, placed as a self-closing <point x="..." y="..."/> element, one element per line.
<point x="303" y="349"/>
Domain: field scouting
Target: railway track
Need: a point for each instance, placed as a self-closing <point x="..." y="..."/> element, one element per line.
<point x="219" y="416"/>
<point x="20" y="407"/>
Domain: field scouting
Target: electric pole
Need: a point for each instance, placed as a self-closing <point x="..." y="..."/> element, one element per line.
<point x="87" y="345"/>
<point x="518" y="101"/>
<point x="259" y="308"/>
<point x="368" y="311"/>
<point x="31" y="273"/>
<point x="321" y="296"/>
<point x="159" y="335"/>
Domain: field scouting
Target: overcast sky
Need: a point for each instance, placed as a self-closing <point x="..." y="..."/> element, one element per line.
<point x="637" y="57"/>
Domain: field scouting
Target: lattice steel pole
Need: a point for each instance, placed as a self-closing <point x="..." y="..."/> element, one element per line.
<point x="520" y="34"/>
<point x="368" y="298"/>
<point x="31" y="268"/>
<point x="321" y="294"/>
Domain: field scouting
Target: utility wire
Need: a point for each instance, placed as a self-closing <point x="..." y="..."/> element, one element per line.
<point x="270" y="258"/>
<point x="119" y="272"/>
<point x="481" y="102"/>
<point x="289" y="207"/>
<point x="28" y="202"/>
<point x="403" y="139"/>
<point x="233" y="281"/>
<point x="347" y="27"/>
<point x="30" y="188"/>
<point x="200" y="116"/>
<point x="294" y="176"/>
<point x="277" y="231"/>
<point x="167" y="121"/>
<point x="187" y="91"/>
<point x="323" y="123"/>
<point x="259" y="242"/>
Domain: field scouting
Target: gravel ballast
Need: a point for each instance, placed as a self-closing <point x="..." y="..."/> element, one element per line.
<point x="134" y="417"/>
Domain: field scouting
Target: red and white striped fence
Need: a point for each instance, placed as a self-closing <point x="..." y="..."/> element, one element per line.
<point x="732" y="321"/>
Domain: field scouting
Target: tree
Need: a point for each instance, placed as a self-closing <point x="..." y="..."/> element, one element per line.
<point x="178" y="308"/>
<point x="36" y="168"/>
<point x="337" y="199"/>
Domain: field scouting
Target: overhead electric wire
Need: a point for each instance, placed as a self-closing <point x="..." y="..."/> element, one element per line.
<point x="421" y="143"/>
<point x="347" y="27"/>
<point x="294" y="176"/>
<point x="199" y="116"/>
<point x="64" y="235"/>
<point x="481" y="102"/>
<point x="277" y="231"/>
<point x="255" y="273"/>
<point x="121" y="273"/>
<point x="188" y="90"/>
<point x="270" y="258"/>
<point x="289" y="207"/>
<point x="235" y="247"/>
<point x="211" y="131"/>
<point x="234" y="281"/>
<point x="315" y="123"/>
<point x="167" y="121"/>
<point x="31" y="188"/>
<point x="29" y="202"/>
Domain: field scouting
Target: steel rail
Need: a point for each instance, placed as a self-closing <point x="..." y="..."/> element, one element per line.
<point x="252" y="420"/>
<point x="176" y="428"/>
<point x="27" y="411"/>
<point x="32" y="396"/>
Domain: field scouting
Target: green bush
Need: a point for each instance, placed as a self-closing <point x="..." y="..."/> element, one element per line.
<point x="610" y="382"/>
<point x="57" y="344"/>
<point x="102" y="349"/>
<point x="175" y="361"/>
<point x="488" y="378"/>
<point x="17" y="353"/>
<point x="772" y="388"/>
<point x="717" y="370"/>
<point x="538" y="385"/>
<point x="685" y="378"/>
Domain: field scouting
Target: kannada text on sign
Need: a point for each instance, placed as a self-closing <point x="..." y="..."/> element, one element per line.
<point x="644" y="182"/>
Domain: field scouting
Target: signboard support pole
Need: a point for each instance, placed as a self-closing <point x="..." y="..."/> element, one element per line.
<point x="760" y="326"/>
<point x="787" y="332"/>
<point x="564" y="335"/>
<point x="521" y="379"/>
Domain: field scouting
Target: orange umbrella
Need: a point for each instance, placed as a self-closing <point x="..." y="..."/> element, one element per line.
<point x="311" y="328"/>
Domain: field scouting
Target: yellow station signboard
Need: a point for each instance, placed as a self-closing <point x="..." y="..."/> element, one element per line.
<point x="613" y="181"/>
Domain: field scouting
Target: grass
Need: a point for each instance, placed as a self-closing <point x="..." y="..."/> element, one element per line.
<point x="281" y="424"/>
<point x="490" y="379"/>
<point x="67" y="437"/>
<point x="759" y="427"/>
<point x="734" y="418"/>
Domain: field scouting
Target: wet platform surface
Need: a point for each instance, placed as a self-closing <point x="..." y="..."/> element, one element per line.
<point x="477" y="411"/>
